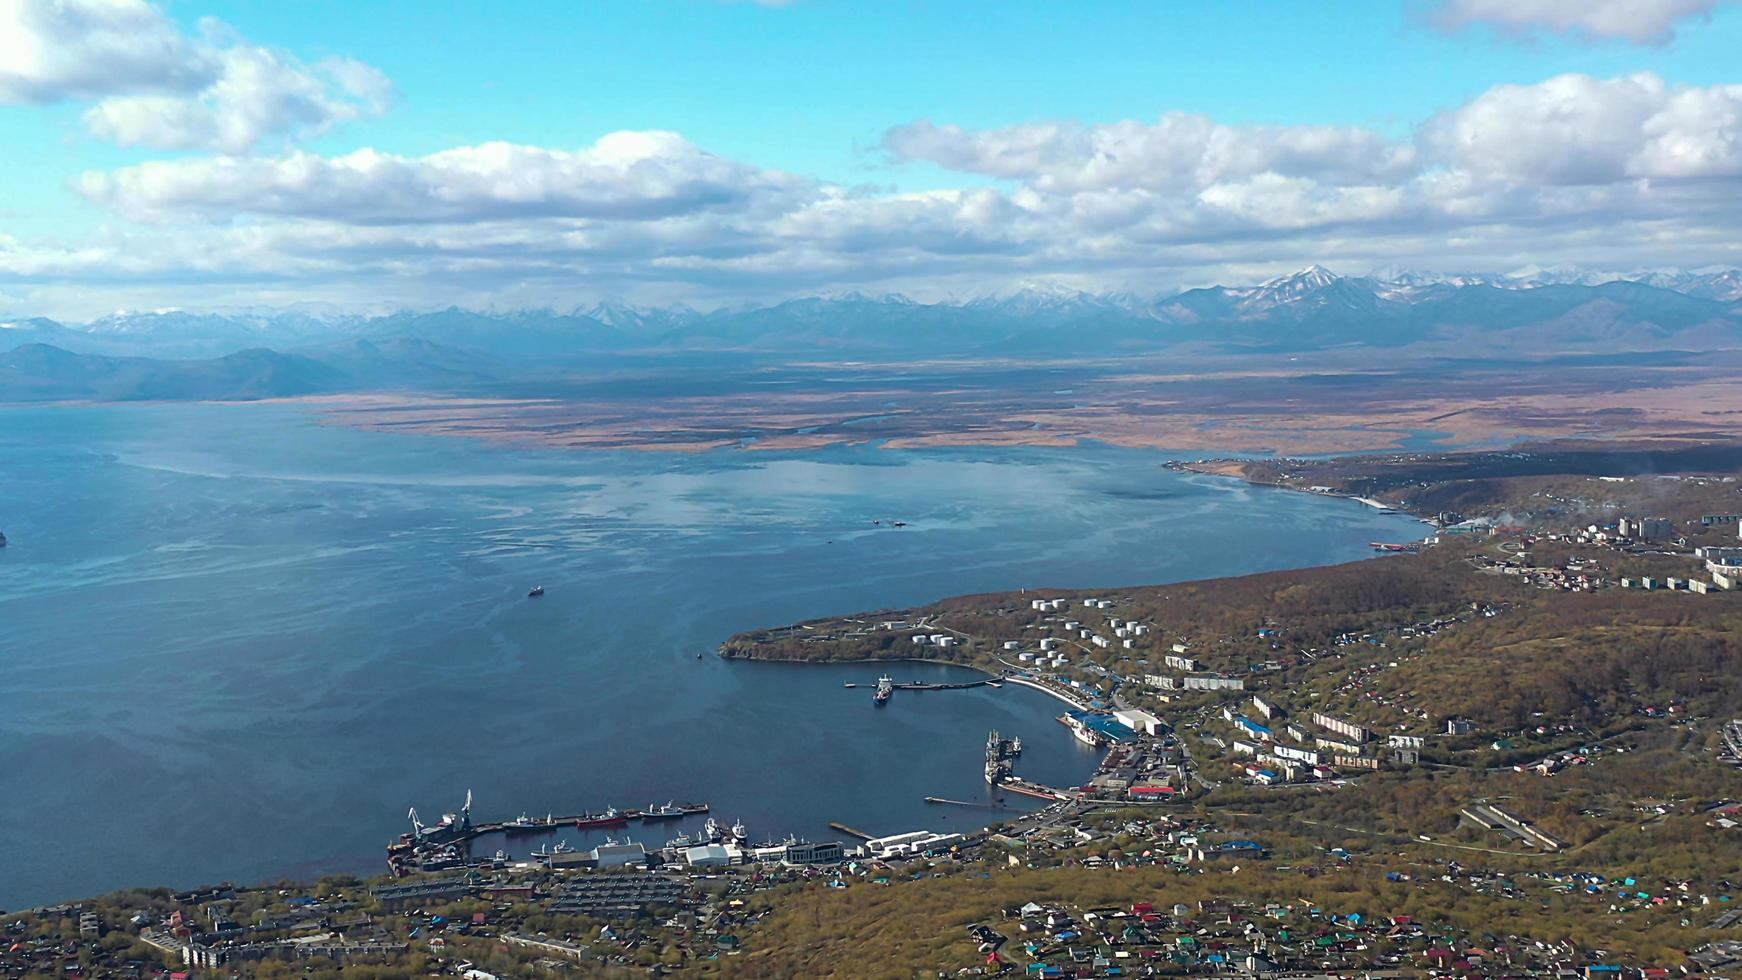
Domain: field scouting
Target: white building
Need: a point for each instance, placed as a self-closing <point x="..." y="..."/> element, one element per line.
<point x="908" y="844"/>
<point x="709" y="856"/>
<point x="617" y="855"/>
<point x="1139" y="721"/>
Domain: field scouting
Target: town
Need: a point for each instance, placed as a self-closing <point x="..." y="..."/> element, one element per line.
<point x="1396" y="767"/>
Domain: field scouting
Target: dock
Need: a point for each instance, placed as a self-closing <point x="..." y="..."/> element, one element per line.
<point x="465" y="831"/>
<point x="1027" y="788"/>
<point x="850" y="831"/>
<point x="961" y="686"/>
<point x="982" y="806"/>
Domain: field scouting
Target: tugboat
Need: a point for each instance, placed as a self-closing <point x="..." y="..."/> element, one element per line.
<point x="612" y="817"/>
<point x="885" y="687"/>
<point x="535" y="592"/>
<point x="1016" y="745"/>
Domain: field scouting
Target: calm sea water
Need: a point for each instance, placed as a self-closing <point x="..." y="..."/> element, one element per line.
<point x="237" y="644"/>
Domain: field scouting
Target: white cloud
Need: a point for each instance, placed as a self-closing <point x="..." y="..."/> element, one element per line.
<point x="156" y="86"/>
<point x="1622" y="171"/>
<point x="1178" y="151"/>
<point x="75" y="49"/>
<point x="1575" y="129"/>
<point x="629" y="176"/>
<point x="1638" y="21"/>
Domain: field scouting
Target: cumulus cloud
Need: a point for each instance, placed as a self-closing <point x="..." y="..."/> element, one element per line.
<point x="75" y="49"/>
<point x="1637" y="21"/>
<point x="1178" y="151"/>
<point x="1628" y="170"/>
<point x="627" y="176"/>
<point x="1575" y="129"/>
<point x="156" y="86"/>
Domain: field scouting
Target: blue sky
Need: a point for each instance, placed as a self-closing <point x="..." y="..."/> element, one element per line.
<point x="790" y="178"/>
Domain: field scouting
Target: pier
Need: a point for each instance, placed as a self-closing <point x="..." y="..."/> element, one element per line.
<point x="1026" y="788"/>
<point x="919" y="686"/>
<point x="850" y="831"/>
<point x="981" y="806"/>
<point x="458" y="828"/>
<point x="960" y="686"/>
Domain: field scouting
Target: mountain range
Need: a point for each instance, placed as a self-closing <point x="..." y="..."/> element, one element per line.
<point x="254" y="354"/>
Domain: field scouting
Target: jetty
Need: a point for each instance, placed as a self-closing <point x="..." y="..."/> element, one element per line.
<point x="922" y="686"/>
<point x="1026" y="788"/>
<point x="458" y="828"/>
<point x="850" y="831"/>
<point x="967" y="803"/>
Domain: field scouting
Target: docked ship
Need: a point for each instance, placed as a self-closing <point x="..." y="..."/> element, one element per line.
<point x="1083" y="733"/>
<point x="453" y="827"/>
<point x="995" y="772"/>
<point x="524" y="824"/>
<point x="740" y="833"/>
<point x="612" y="817"/>
<point x="885" y="687"/>
<point x="552" y="850"/>
<point x="667" y="811"/>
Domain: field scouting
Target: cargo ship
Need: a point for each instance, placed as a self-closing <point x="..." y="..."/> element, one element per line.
<point x="612" y="817"/>
<point x="885" y="687"/>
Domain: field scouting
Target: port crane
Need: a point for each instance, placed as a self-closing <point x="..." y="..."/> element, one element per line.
<point x="450" y="821"/>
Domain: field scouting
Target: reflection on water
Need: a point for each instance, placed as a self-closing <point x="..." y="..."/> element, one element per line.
<point x="239" y="644"/>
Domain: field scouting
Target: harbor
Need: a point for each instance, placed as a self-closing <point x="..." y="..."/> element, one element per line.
<point x="445" y="843"/>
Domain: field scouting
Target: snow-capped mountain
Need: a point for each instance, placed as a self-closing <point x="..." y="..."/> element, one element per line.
<point x="1313" y="307"/>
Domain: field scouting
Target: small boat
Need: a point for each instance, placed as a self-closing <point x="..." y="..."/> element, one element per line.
<point x="535" y="592"/>
<point x="612" y="817"/>
<point x="698" y="656"/>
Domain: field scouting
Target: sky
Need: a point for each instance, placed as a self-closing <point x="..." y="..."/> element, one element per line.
<point x="365" y="156"/>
